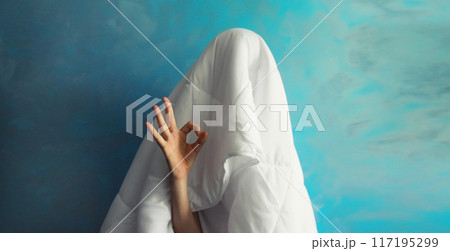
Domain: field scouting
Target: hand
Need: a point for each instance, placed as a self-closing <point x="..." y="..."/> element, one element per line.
<point x="179" y="154"/>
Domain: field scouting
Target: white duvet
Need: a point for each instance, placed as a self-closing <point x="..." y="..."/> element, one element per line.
<point x="246" y="179"/>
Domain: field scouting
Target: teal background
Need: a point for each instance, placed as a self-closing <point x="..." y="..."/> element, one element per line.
<point x="377" y="73"/>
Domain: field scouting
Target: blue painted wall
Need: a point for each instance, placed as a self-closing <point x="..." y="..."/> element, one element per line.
<point x="376" y="72"/>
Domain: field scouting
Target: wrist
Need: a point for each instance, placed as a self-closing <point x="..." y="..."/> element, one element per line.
<point x="177" y="182"/>
<point x="179" y="175"/>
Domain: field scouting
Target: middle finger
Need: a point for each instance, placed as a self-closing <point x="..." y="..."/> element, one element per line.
<point x="162" y="124"/>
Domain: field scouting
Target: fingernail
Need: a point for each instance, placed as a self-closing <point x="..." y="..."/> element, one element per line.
<point x="156" y="109"/>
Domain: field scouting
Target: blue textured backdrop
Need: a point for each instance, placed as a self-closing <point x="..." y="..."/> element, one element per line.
<point x="377" y="73"/>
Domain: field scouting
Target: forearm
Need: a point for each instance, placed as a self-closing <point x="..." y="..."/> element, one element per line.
<point x="180" y="156"/>
<point x="184" y="221"/>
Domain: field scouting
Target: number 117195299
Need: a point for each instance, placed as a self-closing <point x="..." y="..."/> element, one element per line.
<point x="404" y="242"/>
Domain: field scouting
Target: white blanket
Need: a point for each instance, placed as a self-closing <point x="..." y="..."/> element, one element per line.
<point x="245" y="179"/>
